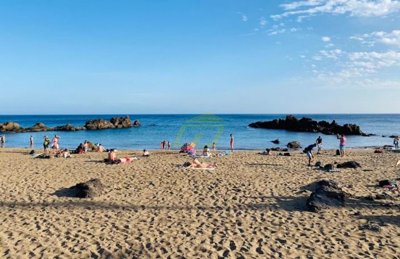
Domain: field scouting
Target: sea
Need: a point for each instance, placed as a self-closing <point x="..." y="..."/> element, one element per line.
<point x="203" y="129"/>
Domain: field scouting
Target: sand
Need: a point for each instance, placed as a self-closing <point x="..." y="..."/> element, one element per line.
<point x="251" y="206"/>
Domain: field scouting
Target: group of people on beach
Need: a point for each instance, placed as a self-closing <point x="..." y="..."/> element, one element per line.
<point x="318" y="144"/>
<point x="165" y="144"/>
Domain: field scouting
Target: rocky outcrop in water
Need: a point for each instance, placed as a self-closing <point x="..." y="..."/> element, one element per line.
<point x="113" y="123"/>
<point x="294" y="145"/>
<point x="291" y="123"/>
<point x="10" y="126"/>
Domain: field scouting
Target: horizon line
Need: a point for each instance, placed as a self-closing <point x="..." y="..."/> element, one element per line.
<point x="166" y="114"/>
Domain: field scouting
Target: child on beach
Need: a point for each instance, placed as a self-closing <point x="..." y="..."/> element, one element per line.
<point x="46" y="143"/>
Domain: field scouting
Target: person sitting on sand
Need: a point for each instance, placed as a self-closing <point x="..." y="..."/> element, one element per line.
<point x="197" y="164"/>
<point x="146" y="153"/>
<point x="100" y="148"/>
<point x="206" y="151"/>
<point x="308" y="150"/>
<point x="85" y="146"/>
<point x="266" y="152"/>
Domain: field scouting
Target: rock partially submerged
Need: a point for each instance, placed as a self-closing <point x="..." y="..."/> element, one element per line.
<point x="327" y="194"/>
<point x="90" y="189"/>
<point x="10" y="126"/>
<point x="291" y="123"/>
<point x="294" y="145"/>
<point x="113" y="123"/>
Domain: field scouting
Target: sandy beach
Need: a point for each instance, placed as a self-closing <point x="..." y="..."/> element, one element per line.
<point x="251" y="206"/>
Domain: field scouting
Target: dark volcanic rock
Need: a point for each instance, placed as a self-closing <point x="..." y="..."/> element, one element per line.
<point x="121" y="122"/>
<point x="67" y="127"/>
<point x="38" y="127"/>
<point x="329" y="167"/>
<point x="294" y="145"/>
<point x="136" y="123"/>
<point x="276" y="141"/>
<point x="291" y="123"/>
<point x="10" y="127"/>
<point x="327" y="194"/>
<point x="116" y="122"/>
<point x="90" y="189"/>
<point x="349" y="164"/>
<point x="98" y="124"/>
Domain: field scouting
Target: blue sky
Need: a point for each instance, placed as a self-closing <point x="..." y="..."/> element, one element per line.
<point x="187" y="56"/>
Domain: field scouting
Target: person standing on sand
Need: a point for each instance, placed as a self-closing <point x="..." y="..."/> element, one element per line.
<point x="396" y="142"/>
<point x="342" y="143"/>
<point x="168" y="145"/>
<point x="3" y="140"/>
<point x="46" y="143"/>
<point x="214" y="146"/>
<point x="232" y="142"/>
<point x="163" y="144"/>
<point x="55" y="142"/>
<point x="31" y="141"/>
<point x="319" y="144"/>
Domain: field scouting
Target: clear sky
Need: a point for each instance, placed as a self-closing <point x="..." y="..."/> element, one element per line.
<point x="199" y="56"/>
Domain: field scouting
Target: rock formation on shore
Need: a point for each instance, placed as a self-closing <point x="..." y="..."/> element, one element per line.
<point x="291" y="123"/>
<point x="327" y="194"/>
<point x="113" y="123"/>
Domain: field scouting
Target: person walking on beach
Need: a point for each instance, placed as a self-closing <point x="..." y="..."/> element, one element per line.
<point x="319" y="144"/>
<point x="31" y="141"/>
<point x="342" y="143"/>
<point x="232" y="142"/>
<point x="46" y="143"/>
<point x="168" y="145"/>
<point x="2" y="140"/>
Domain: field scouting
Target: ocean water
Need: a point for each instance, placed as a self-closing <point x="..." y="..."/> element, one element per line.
<point x="202" y="129"/>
